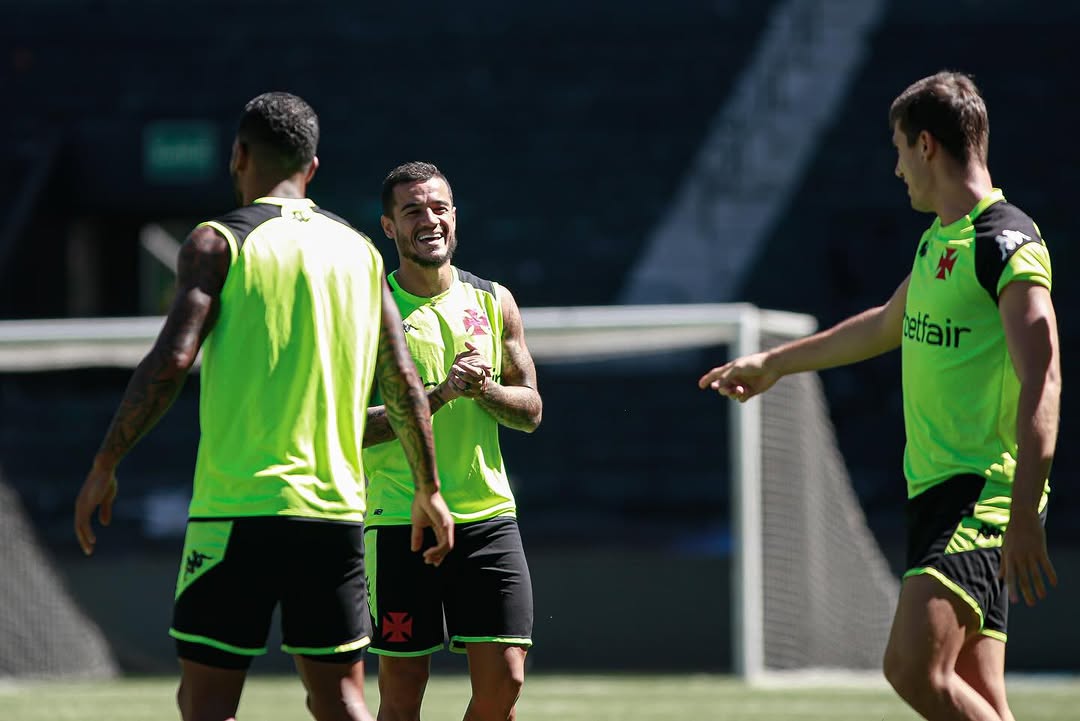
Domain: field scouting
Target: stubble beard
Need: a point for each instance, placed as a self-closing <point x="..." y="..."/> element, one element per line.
<point x="428" y="262"/>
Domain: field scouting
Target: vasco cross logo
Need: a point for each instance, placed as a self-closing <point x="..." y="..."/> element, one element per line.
<point x="195" y="562"/>
<point x="476" y="323"/>
<point x="1010" y="240"/>
<point x="397" y="627"/>
<point x="945" y="263"/>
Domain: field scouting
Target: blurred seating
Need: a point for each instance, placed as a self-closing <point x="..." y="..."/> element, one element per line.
<point x="564" y="127"/>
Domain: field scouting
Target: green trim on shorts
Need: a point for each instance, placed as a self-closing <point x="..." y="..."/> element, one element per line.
<point x="457" y="643"/>
<point x="952" y="586"/>
<point x="192" y="638"/>
<point x="405" y="654"/>
<point x="998" y="635"/>
<point x="205" y="545"/>
<point x="327" y="650"/>
<point x="371" y="563"/>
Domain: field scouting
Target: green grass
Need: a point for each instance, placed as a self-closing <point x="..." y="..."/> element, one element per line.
<point x="546" y="698"/>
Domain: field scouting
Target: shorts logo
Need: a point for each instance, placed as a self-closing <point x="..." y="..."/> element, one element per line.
<point x="195" y="561"/>
<point x="988" y="531"/>
<point x="476" y="323"/>
<point x="397" y="627"/>
<point x="945" y="264"/>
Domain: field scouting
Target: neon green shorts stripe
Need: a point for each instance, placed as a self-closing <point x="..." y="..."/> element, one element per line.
<point x="192" y="638"/>
<point x="327" y="650"/>
<point x="405" y="654"/>
<point x="457" y="643"/>
<point x="512" y="640"/>
<point x="952" y="586"/>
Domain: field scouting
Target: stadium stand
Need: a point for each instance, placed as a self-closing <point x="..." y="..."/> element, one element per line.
<point x="563" y="127"/>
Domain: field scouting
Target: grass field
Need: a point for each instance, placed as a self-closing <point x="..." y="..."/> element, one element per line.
<point x="547" y="698"/>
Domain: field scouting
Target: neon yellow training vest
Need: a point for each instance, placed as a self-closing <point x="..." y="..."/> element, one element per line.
<point x="288" y="368"/>
<point x="467" y="453"/>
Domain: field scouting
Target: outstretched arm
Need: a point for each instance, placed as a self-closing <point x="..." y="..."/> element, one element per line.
<point x="866" y="335"/>
<point x="408" y="415"/>
<point x="514" y="401"/>
<point x="201" y="271"/>
<point x="1030" y="324"/>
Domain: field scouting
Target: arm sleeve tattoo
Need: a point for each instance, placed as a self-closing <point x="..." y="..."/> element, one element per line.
<point x="406" y="414"/>
<point x="201" y="271"/>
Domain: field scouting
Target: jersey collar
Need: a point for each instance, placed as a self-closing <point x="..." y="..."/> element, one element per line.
<point x="286" y="202"/>
<point x="960" y="226"/>
<point x="395" y="288"/>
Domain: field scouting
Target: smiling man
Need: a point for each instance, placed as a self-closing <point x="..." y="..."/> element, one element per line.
<point x="981" y="381"/>
<point x="467" y="339"/>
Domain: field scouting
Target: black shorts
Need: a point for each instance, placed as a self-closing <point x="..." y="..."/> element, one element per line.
<point x="234" y="572"/>
<point x="955" y="531"/>
<point x="482" y="589"/>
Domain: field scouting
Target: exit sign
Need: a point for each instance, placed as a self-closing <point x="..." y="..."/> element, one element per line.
<point x="180" y="151"/>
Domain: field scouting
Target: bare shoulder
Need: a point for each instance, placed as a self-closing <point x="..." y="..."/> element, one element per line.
<point x="206" y="240"/>
<point x="204" y="260"/>
<point x="510" y="310"/>
<point x="519" y="368"/>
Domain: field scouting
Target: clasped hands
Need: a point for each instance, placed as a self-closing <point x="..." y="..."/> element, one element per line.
<point x="469" y="374"/>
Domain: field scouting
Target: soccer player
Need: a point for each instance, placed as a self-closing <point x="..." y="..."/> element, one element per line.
<point x="467" y="339"/>
<point x="289" y="306"/>
<point x="981" y="385"/>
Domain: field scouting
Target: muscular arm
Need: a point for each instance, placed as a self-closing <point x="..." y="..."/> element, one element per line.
<point x="1027" y="315"/>
<point x="201" y="271"/>
<point x="406" y="414"/>
<point x="514" y="402"/>
<point x="377" y="428"/>
<point x="866" y="335"/>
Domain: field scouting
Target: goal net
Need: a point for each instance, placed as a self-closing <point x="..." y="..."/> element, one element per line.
<point x="43" y="632"/>
<point x="809" y="590"/>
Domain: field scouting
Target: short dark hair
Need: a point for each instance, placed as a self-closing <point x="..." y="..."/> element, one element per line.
<point x="948" y="106"/>
<point x="411" y="172"/>
<point x="280" y="128"/>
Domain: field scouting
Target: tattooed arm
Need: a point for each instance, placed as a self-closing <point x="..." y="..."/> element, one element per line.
<point x="377" y="428"/>
<point x="406" y="413"/>
<point x="201" y="271"/>
<point x="515" y="401"/>
<point x="466" y="364"/>
<point x="409" y="416"/>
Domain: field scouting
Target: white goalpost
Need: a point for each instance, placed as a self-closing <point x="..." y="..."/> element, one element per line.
<point x="810" y="589"/>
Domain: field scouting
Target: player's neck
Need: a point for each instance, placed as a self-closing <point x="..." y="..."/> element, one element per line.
<point x="292" y="187"/>
<point x="422" y="281"/>
<point x="961" y="191"/>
